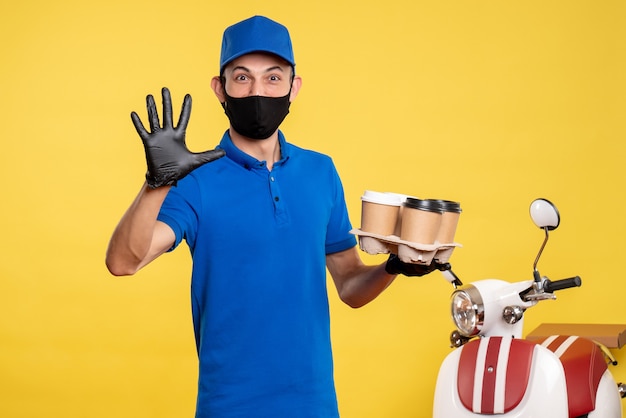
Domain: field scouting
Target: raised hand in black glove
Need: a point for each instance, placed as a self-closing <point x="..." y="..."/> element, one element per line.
<point x="167" y="155"/>
<point x="396" y="266"/>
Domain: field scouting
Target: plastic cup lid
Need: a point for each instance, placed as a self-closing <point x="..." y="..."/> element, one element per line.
<point x="381" y="198"/>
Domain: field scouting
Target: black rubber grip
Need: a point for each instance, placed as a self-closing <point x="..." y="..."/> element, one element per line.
<point x="551" y="287"/>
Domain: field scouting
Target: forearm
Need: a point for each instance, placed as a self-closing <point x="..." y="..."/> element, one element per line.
<point x="131" y="245"/>
<point x="357" y="283"/>
<point x="365" y="286"/>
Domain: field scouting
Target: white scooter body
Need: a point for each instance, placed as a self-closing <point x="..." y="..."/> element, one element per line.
<point x="608" y="402"/>
<point x="546" y="380"/>
<point x="499" y="373"/>
<point x="545" y="395"/>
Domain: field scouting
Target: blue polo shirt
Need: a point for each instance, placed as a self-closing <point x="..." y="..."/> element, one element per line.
<point x="258" y="240"/>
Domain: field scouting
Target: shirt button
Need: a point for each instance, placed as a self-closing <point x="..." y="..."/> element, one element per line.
<point x="276" y="198"/>
<point x="272" y="178"/>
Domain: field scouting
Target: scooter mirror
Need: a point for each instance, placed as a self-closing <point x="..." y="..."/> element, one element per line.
<point x="544" y="214"/>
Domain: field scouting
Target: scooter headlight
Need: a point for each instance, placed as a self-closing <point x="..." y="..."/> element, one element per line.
<point x="468" y="311"/>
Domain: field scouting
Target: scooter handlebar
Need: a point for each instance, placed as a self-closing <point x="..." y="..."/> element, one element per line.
<point x="551" y="287"/>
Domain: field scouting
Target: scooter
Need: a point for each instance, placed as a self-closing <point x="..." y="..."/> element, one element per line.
<point x="493" y="371"/>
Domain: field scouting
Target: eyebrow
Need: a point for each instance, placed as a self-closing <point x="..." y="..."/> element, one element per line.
<point x="267" y="70"/>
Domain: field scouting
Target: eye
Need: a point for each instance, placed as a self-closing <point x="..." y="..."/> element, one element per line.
<point x="274" y="78"/>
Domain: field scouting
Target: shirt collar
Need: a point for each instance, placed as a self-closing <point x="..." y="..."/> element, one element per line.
<point x="246" y="160"/>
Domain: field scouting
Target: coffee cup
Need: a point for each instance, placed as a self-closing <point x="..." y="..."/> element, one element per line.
<point x="421" y="220"/>
<point x="379" y="212"/>
<point x="449" y="221"/>
<point x="402" y="197"/>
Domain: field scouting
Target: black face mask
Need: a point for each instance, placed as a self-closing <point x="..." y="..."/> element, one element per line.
<point x="256" y="117"/>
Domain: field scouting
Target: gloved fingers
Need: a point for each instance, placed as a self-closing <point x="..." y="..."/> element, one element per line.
<point x="141" y="130"/>
<point x="153" y="115"/>
<point x="396" y="266"/>
<point x="442" y="266"/>
<point x="167" y="108"/>
<point x="185" y="114"/>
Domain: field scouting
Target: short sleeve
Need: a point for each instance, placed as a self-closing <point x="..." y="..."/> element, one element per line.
<point x="338" y="236"/>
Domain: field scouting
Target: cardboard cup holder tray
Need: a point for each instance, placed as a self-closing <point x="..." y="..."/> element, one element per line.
<point x="408" y="252"/>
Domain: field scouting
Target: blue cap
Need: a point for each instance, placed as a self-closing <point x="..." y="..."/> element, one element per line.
<point x="256" y="34"/>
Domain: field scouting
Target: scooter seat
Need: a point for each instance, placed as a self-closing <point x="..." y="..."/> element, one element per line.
<point x="584" y="365"/>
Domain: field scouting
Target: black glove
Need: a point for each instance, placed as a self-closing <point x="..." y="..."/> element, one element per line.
<point x="168" y="158"/>
<point x="396" y="266"/>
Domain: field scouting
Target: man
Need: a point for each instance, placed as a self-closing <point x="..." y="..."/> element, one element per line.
<point x="263" y="220"/>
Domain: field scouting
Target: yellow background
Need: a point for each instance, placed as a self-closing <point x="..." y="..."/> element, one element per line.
<point x="491" y="103"/>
